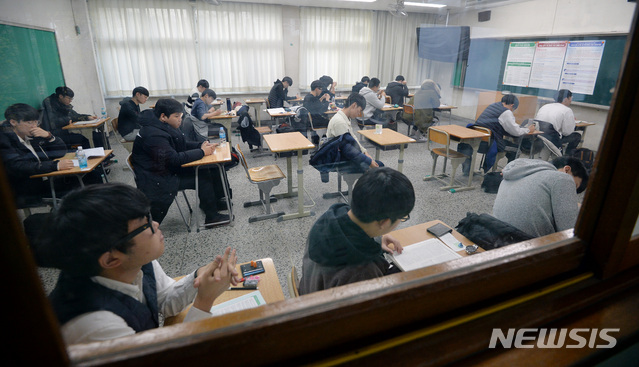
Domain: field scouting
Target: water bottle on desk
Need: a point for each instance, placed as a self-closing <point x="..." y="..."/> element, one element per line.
<point x="222" y="137"/>
<point x="104" y="116"/>
<point x="81" y="156"/>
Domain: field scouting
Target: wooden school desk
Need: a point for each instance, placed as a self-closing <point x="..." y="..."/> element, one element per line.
<point x="532" y="136"/>
<point x="418" y="233"/>
<point x="257" y="105"/>
<point x="92" y="163"/>
<point x="470" y="137"/>
<point x="292" y="142"/>
<point x="220" y="156"/>
<point x="269" y="286"/>
<point x="444" y="107"/>
<point x="226" y="119"/>
<point x="276" y="112"/>
<point x="582" y="125"/>
<point x="86" y="127"/>
<point x="388" y="138"/>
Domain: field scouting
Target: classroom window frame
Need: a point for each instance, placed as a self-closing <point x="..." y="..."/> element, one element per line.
<point x="312" y="328"/>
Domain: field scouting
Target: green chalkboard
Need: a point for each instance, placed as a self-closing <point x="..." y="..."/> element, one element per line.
<point x="31" y="67"/>
<point x="487" y="60"/>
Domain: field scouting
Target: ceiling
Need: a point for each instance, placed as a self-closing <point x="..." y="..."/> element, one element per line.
<point x="454" y="6"/>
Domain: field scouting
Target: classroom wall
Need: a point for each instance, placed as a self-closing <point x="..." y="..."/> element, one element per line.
<point x="77" y="54"/>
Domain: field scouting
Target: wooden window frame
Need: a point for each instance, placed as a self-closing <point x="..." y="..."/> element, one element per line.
<point x="369" y="321"/>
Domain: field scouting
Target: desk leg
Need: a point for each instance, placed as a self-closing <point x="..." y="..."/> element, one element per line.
<point x="583" y="136"/>
<point x="377" y="153"/>
<point x="289" y="180"/>
<point x="300" y="193"/>
<point x="55" y="202"/>
<point x="197" y="199"/>
<point x="257" y="114"/>
<point x="475" y="144"/>
<point x="400" y="161"/>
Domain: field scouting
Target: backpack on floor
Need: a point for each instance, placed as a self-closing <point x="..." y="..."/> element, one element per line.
<point x="491" y="182"/>
<point x="586" y="156"/>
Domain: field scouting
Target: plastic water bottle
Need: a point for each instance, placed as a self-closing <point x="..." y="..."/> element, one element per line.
<point x="82" y="158"/>
<point x="104" y="116"/>
<point x="222" y="137"/>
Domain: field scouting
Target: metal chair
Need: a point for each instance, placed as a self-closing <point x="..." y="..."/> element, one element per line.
<point x="489" y="141"/>
<point x="265" y="177"/>
<point x="293" y="283"/>
<point x="186" y="223"/>
<point x="443" y="138"/>
<point x="128" y="145"/>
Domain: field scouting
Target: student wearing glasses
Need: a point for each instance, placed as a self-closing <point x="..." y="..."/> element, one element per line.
<point x="57" y="112"/>
<point x="28" y="150"/>
<point x="342" y="246"/>
<point x="106" y="244"/>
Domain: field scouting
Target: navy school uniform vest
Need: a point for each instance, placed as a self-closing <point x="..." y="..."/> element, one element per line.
<point x="490" y="119"/>
<point x="74" y="296"/>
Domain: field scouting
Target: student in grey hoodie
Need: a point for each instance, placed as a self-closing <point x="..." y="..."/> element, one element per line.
<point x="538" y="197"/>
<point x="375" y="100"/>
<point x="341" y="247"/>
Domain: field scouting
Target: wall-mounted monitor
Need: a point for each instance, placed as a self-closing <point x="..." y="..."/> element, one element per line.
<point x="447" y="44"/>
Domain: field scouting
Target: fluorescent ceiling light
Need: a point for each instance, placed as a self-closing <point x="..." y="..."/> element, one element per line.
<point x="362" y="1"/>
<point x="426" y="5"/>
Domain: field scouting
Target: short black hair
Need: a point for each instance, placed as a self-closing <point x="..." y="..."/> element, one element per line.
<point x="288" y="80"/>
<point x="167" y="106"/>
<point x="140" y="90"/>
<point x="316" y="84"/>
<point x="563" y="94"/>
<point x="209" y="92"/>
<point x="382" y="193"/>
<point x="89" y="222"/>
<point x="365" y="79"/>
<point x="399" y="78"/>
<point x="21" y="112"/>
<point x="510" y="99"/>
<point x="202" y="83"/>
<point x="64" y="92"/>
<point x="373" y="83"/>
<point x="577" y="169"/>
<point x="356" y="98"/>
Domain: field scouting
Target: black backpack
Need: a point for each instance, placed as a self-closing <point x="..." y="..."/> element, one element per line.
<point x="489" y="232"/>
<point x="586" y="156"/>
<point x="491" y="182"/>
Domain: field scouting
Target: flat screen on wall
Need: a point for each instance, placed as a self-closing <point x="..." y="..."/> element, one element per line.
<point x="446" y="44"/>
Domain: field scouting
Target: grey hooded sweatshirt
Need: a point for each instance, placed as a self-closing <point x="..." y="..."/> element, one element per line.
<point x="536" y="198"/>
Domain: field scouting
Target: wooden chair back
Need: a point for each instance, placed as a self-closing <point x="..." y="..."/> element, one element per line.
<point x="292" y="283"/>
<point x="484" y="130"/>
<point x="242" y="159"/>
<point x="388" y="99"/>
<point x="409" y="108"/>
<point x="129" y="164"/>
<point x="438" y="137"/>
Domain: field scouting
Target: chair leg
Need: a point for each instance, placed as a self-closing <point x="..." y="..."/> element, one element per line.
<point x="187" y="202"/>
<point x="265" y="200"/>
<point x="186" y="223"/>
<point x="432" y="173"/>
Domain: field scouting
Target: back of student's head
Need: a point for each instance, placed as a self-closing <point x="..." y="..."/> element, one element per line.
<point x="167" y="106"/>
<point x="373" y="83"/>
<point x="143" y="91"/>
<point x="563" y="94"/>
<point x="316" y="84"/>
<point x="356" y="98"/>
<point x="399" y="78"/>
<point x="382" y="193"/>
<point x="202" y="83"/>
<point x="21" y="112"/>
<point x="210" y="93"/>
<point x="365" y="79"/>
<point x="64" y="92"/>
<point x="577" y="169"/>
<point x="510" y="99"/>
<point x="288" y="80"/>
<point x="89" y="222"/>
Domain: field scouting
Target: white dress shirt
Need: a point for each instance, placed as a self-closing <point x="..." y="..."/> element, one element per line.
<point x="560" y="116"/>
<point x="339" y="125"/>
<point x="507" y="120"/>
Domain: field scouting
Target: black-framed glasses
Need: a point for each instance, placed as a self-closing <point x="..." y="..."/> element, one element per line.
<point x="404" y="219"/>
<point x="137" y="231"/>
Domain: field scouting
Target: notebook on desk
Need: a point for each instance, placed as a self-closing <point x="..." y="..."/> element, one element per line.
<point x="423" y="254"/>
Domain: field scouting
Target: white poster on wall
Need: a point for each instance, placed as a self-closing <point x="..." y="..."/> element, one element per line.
<point x="547" y="64"/>
<point x="518" y="63"/>
<point x="581" y="66"/>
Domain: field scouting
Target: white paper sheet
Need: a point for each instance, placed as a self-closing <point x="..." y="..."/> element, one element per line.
<point x="244" y="302"/>
<point x="423" y="254"/>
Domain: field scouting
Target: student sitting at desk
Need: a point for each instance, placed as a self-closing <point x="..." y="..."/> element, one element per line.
<point x="341" y="246"/>
<point x="317" y="105"/>
<point x="361" y="84"/>
<point x="106" y="244"/>
<point x="425" y="100"/>
<point x="375" y="101"/>
<point x="202" y="111"/>
<point x="397" y="90"/>
<point x="158" y="154"/>
<point x="557" y="121"/>
<point x="57" y="112"/>
<point x="328" y="86"/>
<point x="196" y="92"/>
<point x="340" y="124"/>
<point x="499" y="118"/>
<point x="278" y="93"/>
<point x="28" y="150"/>
<point x="128" y="125"/>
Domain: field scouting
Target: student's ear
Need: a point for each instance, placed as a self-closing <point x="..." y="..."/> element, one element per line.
<point x="110" y="259"/>
<point x="568" y="170"/>
<point x="385" y="222"/>
<point x="13" y="123"/>
<point x="163" y="117"/>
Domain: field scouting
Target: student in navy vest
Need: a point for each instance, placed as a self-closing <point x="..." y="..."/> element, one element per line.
<point x="106" y="244"/>
<point x="499" y="118"/>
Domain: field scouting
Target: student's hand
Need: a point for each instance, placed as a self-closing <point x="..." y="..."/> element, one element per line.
<point x="38" y="132"/>
<point x="65" y="164"/>
<point x="208" y="148"/>
<point x="531" y="128"/>
<point x="93" y="117"/>
<point x="214" y="279"/>
<point x="390" y="240"/>
<point x="373" y="164"/>
<point x="325" y="97"/>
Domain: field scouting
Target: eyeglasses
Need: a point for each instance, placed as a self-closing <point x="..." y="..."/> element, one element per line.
<point x="137" y="231"/>
<point x="404" y="219"/>
<point x="32" y="123"/>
